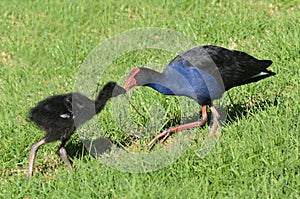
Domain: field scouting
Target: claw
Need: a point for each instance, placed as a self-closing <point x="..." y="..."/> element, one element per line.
<point x="168" y="133"/>
<point x="163" y="134"/>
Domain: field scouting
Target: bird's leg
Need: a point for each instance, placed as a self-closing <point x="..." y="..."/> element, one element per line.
<point x="216" y="117"/>
<point x="63" y="154"/>
<point x="32" y="155"/>
<point x="165" y="134"/>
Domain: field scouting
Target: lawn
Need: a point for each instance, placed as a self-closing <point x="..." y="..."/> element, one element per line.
<point x="46" y="48"/>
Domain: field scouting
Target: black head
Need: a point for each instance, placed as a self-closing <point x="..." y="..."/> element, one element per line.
<point x="112" y="89"/>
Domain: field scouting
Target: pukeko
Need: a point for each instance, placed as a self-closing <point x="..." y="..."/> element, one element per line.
<point x="203" y="73"/>
<point x="59" y="115"/>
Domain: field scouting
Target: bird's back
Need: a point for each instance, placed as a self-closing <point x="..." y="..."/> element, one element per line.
<point x="48" y="110"/>
<point x="47" y="114"/>
<point x="234" y="67"/>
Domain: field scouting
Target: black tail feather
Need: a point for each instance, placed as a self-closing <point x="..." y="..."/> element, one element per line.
<point x="265" y="63"/>
<point x="266" y="73"/>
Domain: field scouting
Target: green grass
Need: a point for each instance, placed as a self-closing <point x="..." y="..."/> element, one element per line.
<point x="43" y="45"/>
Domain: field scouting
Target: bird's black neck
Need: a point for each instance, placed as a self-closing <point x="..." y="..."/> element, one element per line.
<point x="148" y="76"/>
<point x="101" y="100"/>
<point x="156" y="80"/>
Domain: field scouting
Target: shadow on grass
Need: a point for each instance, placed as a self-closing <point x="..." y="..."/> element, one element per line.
<point x="82" y="148"/>
<point x="238" y="111"/>
<point x="78" y="149"/>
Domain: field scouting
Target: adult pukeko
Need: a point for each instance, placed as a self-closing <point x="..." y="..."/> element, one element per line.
<point x="59" y="116"/>
<point x="203" y="73"/>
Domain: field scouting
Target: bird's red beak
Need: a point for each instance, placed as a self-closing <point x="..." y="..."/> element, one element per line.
<point x="131" y="82"/>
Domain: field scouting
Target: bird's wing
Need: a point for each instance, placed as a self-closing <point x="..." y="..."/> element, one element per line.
<point x="205" y="58"/>
<point x="229" y="67"/>
<point x="193" y="81"/>
<point x="66" y="115"/>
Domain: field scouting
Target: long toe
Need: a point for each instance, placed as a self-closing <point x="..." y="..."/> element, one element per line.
<point x="168" y="133"/>
<point x="163" y="134"/>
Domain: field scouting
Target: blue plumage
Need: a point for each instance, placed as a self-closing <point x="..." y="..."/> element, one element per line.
<point x="198" y="84"/>
<point x="183" y="80"/>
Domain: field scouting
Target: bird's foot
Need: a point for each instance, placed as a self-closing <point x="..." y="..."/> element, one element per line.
<point x="164" y="135"/>
<point x="28" y="175"/>
<point x="167" y="134"/>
